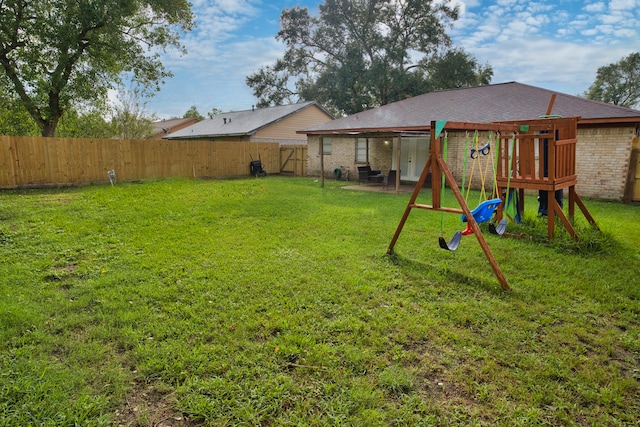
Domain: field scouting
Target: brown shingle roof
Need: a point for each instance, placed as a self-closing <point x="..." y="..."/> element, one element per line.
<point x="482" y="104"/>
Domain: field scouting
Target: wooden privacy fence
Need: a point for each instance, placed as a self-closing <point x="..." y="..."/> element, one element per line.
<point x="37" y="161"/>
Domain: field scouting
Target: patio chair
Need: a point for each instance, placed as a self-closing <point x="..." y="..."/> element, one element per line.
<point x="390" y="178"/>
<point x="366" y="174"/>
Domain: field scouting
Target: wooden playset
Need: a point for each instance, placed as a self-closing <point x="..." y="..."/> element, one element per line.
<point x="530" y="155"/>
<point x="543" y="158"/>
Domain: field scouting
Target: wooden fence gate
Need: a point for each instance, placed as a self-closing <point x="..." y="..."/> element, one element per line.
<point x="293" y="160"/>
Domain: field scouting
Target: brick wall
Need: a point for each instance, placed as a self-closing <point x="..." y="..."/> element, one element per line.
<point x="381" y="154"/>
<point x="343" y="155"/>
<point x="603" y="161"/>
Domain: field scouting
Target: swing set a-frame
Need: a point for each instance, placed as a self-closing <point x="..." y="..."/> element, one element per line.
<point x="541" y="157"/>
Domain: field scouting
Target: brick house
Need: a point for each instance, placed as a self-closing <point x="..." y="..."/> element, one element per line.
<point x="606" y="156"/>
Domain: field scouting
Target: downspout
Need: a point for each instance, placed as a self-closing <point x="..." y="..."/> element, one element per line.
<point x="367" y="151"/>
<point x="322" y="161"/>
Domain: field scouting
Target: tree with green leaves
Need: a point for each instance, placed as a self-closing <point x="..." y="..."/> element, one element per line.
<point x="357" y="54"/>
<point x="58" y="54"/>
<point x="454" y="69"/>
<point x="192" y="113"/>
<point x="214" y="112"/>
<point x="14" y="119"/>
<point x="87" y="124"/>
<point x="129" y="117"/>
<point x="618" y="83"/>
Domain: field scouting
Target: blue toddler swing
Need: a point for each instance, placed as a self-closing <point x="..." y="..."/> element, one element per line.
<point x="483" y="213"/>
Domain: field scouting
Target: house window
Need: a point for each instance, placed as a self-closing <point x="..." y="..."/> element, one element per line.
<point x="326" y="145"/>
<point x="361" y="150"/>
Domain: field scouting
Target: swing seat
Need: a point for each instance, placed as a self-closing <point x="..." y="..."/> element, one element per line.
<point x="453" y="244"/>
<point x="484" y="150"/>
<point x="499" y="229"/>
<point x="484" y="211"/>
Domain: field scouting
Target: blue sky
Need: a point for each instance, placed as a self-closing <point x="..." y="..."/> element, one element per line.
<point x="554" y="44"/>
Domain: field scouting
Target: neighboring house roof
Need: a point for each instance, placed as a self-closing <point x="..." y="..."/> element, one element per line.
<point x="166" y="127"/>
<point x="240" y="123"/>
<point x="481" y="104"/>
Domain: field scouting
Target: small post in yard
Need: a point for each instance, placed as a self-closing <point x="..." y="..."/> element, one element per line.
<point x="112" y="176"/>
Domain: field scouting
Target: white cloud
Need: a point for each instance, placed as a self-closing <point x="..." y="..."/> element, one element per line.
<point x="613" y="19"/>
<point x="230" y="7"/>
<point x="547" y="63"/>
<point x="515" y="30"/>
<point x="595" y="7"/>
<point x="535" y="21"/>
<point x="624" y="5"/>
<point x="217" y="20"/>
<point x="507" y="3"/>
<point x="218" y="23"/>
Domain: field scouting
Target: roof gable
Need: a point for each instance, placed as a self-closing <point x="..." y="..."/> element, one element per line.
<point x="168" y="124"/>
<point x="239" y="123"/>
<point x="481" y="104"/>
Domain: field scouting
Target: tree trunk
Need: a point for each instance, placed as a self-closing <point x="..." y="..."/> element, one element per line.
<point x="50" y="124"/>
<point x="49" y="129"/>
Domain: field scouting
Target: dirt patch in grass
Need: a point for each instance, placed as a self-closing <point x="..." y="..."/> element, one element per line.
<point x="61" y="274"/>
<point x="148" y="407"/>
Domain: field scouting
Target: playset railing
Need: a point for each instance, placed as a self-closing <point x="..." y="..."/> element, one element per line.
<point x="539" y="156"/>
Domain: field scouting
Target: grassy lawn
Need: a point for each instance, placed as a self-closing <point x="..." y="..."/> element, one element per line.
<point x="271" y="302"/>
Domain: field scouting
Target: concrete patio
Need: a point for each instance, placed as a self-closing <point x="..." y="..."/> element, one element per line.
<point x="380" y="188"/>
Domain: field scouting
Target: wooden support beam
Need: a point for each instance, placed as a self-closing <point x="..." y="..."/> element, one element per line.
<point x="583" y="207"/>
<point x="496" y="127"/>
<point x="554" y="209"/>
<point x="550" y="106"/>
<point x="551" y="218"/>
<point x="440" y="209"/>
